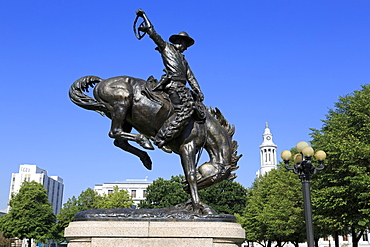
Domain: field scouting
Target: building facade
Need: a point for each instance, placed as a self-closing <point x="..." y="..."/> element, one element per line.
<point x="53" y="184"/>
<point x="135" y="187"/>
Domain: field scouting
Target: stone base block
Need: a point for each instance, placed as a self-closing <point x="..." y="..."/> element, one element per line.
<point x="154" y="234"/>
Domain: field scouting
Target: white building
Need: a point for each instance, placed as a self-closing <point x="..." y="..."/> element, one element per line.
<point x="135" y="187"/>
<point x="267" y="153"/>
<point x="53" y="184"/>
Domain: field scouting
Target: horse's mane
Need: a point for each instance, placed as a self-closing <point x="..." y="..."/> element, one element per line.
<point x="216" y="113"/>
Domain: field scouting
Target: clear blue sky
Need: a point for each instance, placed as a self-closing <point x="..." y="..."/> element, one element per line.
<point x="277" y="61"/>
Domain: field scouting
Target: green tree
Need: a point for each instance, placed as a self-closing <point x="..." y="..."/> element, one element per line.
<point x="31" y="215"/>
<point x="226" y="197"/>
<point x="342" y="190"/>
<point x="165" y="193"/>
<point x="90" y="199"/>
<point x="117" y="199"/>
<point x="274" y="210"/>
<point x="87" y="200"/>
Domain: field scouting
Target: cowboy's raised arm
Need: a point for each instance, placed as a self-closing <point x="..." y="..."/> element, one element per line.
<point x="149" y="29"/>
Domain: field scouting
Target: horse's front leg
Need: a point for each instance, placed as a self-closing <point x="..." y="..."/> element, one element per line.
<point x="188" y="152"/>
<point x="119" y="112"/>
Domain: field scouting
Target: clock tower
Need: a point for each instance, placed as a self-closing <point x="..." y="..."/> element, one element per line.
<point x="267" y="152"/>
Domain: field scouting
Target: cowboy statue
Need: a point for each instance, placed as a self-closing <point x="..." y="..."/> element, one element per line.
<point x="167" y="112"/>
<point x="173" y="82"/>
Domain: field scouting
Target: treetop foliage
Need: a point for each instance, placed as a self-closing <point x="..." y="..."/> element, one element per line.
<point x="90" y="199"/>
<point x="117" y="199"/>
<point x="226" y="197"/>
<point x="31" y="215"/>
<point x="274" y="210"/>
<point x="165" y="193"/>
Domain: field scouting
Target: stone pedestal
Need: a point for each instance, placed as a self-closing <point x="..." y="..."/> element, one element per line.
<point x="149" y="231"/>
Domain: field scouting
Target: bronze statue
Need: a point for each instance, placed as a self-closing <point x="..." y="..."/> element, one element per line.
<point x="148" y="108"/>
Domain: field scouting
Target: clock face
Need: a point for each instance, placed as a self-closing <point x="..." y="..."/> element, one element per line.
<point x="268" y="138"/>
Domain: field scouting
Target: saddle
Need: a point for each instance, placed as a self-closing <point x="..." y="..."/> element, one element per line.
<point x="200" y="109"/>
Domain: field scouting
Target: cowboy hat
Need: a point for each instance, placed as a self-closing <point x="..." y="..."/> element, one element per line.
<point x="183" y="36"/>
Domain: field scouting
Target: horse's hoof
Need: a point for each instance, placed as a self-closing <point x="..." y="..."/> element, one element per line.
<point x="206" y="209"/>
<point x="145" y="143"/>
<point x="147" y="164"/>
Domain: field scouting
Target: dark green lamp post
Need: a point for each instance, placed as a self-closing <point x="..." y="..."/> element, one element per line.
<point x="305" y="168"/>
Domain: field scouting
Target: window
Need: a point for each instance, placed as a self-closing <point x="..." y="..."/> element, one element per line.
<point x="133" y="193"/>
<point x="345" y="238"/>
<point x="144" y="193"/>
<point x="110" y="191"/>
<point x="265" y="155"/>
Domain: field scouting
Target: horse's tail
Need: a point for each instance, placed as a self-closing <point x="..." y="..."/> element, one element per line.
<point x="230" y="129"/>
<point x="77" y="95"/>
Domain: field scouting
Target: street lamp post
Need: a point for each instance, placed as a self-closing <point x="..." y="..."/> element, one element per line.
<point x="304" y="168"/>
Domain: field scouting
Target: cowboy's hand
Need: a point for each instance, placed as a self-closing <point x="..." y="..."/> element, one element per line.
<point x="143" y="29"/>
<point x="140" y="12"/>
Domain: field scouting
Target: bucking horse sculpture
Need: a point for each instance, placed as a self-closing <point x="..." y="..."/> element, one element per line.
<point x="132" y="103"/>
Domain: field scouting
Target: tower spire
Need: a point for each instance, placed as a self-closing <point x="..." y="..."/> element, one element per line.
<point x="267" y="152"/>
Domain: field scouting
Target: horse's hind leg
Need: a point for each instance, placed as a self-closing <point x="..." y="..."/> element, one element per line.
<point x="124" y="145"/>
<point x="120" y="99"/>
